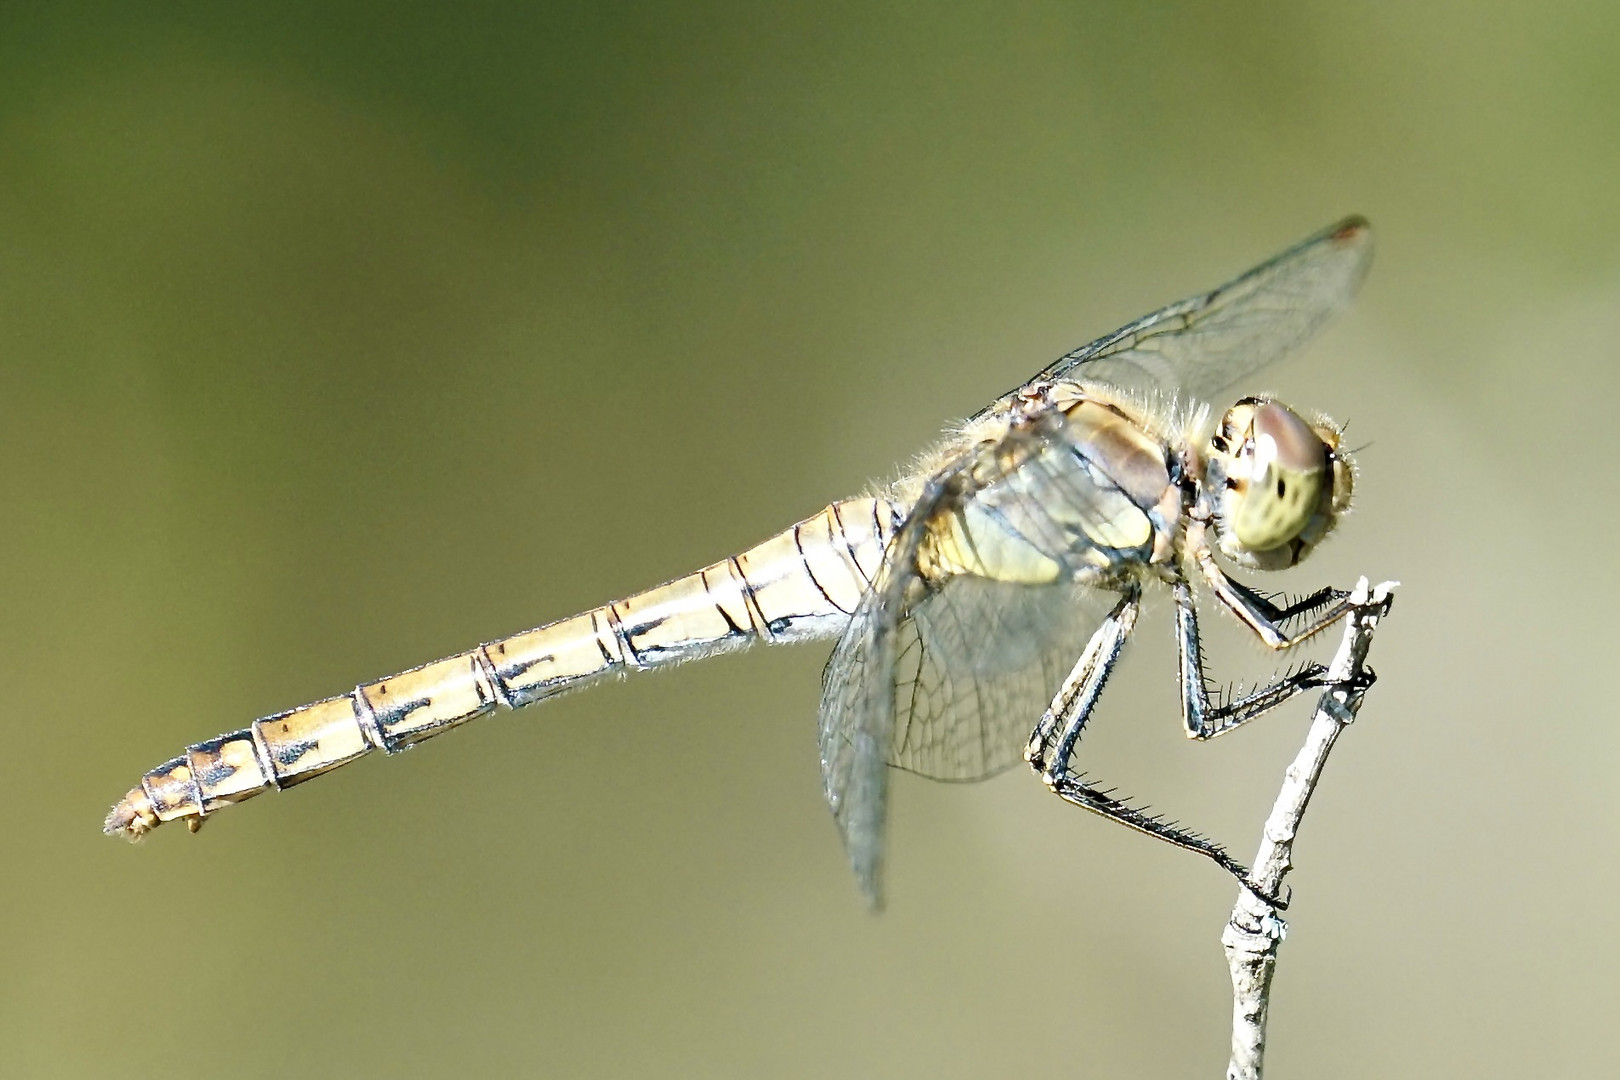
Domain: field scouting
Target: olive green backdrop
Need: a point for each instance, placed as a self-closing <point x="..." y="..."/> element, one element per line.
<point x="334" y="339"/>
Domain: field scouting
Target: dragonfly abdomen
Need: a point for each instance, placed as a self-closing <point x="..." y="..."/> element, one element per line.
<point x="799" y="585"/>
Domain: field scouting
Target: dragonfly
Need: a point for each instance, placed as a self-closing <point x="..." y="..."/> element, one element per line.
<point x="978" y="604"/>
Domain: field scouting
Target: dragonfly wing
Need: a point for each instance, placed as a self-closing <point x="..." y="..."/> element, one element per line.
<point x="858" y="705"/>
<point x="946" y="681"/>
<point x="977" y="664"/>
<point x="1205" y="343"/>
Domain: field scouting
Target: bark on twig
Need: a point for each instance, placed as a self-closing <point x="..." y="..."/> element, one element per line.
<point x="1255" y="930"/>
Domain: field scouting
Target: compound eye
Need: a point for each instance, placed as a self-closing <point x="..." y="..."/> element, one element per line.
<point x="1281" y="435"/>
<point x="1287" y="475"/>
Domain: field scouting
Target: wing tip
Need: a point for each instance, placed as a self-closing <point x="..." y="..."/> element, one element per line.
<point x="871" y="886"/>
<point x="1350" y="231"/>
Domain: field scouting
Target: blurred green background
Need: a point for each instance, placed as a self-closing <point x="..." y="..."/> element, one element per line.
<point x="336" y="338"/>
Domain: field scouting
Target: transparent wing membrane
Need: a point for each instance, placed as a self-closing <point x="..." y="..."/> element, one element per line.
<point x="1205" y="343"/>
<point x="977" y="664"/>
<point x="857" y="715"/>
<point x="946" y="676"/>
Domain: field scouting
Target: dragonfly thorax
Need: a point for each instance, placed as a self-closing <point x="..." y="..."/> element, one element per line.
<point x="1078" y="488"/>
<point x="1277" y="483"/>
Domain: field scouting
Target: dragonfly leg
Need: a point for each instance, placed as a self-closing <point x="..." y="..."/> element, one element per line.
<point x="1072" y="706"/>
<point x="1205" y="715"/>
<point x="1051" y="747"/>
<point x="1325" y="607"/>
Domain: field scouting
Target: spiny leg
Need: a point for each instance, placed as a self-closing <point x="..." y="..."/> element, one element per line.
<point x="1266" y="605"/>
<point x="1325" y="606"/>
<point x="1078" y="696"/>
<point x="1206" y="718"/>
<point x="1067" y="717"/>
<point x="1074" y="702"/>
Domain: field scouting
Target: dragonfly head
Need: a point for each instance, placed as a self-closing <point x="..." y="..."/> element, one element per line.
<point x="1278" y="483"/>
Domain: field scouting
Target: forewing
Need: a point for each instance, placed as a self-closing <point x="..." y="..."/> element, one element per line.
<point x="1204" y="343"/>
<point x="948" y="681"/>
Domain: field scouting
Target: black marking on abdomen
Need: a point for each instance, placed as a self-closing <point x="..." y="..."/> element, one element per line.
<point x="810" y="572"/>
<point x="596" y="636"/>
<point x="622" y="636"/>
<point x="752" y="601"/>
<point x="843" y="534"/>
<point x="732" y="629"/>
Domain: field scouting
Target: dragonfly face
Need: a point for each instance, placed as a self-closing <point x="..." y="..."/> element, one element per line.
<point x="963" y="598"/>
<point x="1278" y="483"/>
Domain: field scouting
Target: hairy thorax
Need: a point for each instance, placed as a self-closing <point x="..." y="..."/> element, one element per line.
<point x="1088" y="496"/>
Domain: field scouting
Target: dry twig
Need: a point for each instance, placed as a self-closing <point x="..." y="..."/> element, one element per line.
<point x="1255" y="930"/>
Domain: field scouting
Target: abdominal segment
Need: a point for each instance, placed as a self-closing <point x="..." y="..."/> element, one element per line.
<point x="801" y="584"/>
